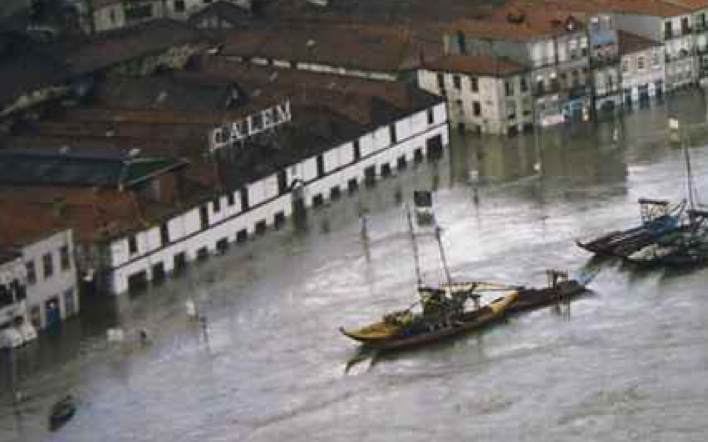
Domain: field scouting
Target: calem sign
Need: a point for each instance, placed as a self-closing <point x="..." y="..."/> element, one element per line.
<point x="230" y="133"/>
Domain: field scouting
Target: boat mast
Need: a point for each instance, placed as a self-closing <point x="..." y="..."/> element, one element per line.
<point x="689" y="175"/>
<point x="438" y="237"/>
<point x="415" y="247"/>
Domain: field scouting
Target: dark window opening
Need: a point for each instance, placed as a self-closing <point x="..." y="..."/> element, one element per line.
<point x="418" y="155"/>
<point x="158" y="272"/>
<point x="320" y="166"/>
<point x="244" y="199"/>
<point x="132" y="244"/>
<point x="476" y="109"/>
<point x="279" y="220"/>
<point x="282" y="182"/>
<point x="352" y="185"/>
<point x="65" y="258"/>
<point x="474" y="84"/>
<point x="222" y="245"/>
<point x="179" y="6"/>
<point x="203" y="253"/>
<point x="48" y="265"/>
<point x="370" y="175"/>
<point x="31" y="273"/>
<point x="457" y="82"/>
<point x="242" y="236"/>
<point x="357" y="151"/>
<point x="217" y="204"/>
<point x="164" y="234"/>
<point x="431" y="116"/>
<point x="334" y="193"/>
<point x="230" y="199"/>
<point x="180" y="262"/>
<point x="401" y="162"/>
<point x="317" y="200"/>
<point x="137" y="281"/>
<point x="204" y="217"/>
<point x="441" y="81"/>
<point x="386" y="170"/>
<point x="392" y="133"/>
<point x="261" y="227"/>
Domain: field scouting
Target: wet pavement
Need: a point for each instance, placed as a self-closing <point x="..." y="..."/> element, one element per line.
<point x="627" y="362"/>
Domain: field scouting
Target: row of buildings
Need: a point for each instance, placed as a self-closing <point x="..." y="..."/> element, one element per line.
<point x="159" y="139"/>
<point x="147" y="149"/>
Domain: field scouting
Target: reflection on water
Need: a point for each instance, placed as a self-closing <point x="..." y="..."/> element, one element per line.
<point x="268" y="362"/>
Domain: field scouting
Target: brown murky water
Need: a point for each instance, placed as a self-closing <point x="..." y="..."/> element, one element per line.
<point x="628" y="362"/>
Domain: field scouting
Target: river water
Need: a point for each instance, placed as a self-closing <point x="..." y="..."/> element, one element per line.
<point x="627" y="362"/>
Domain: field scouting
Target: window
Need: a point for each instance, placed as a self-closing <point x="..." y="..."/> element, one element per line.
<point x="524" y="84"/>
<point x="431" y="116"/>
<point x="217" y="204"/>
<point x="164" y="234"/>
<point x="509" y="87"/>
<point x="460" y="106"/>
<point x="685" y="28"/>
<point x="640" y="63"/>
<point x="69" y="302"/>
<point x="476" y="109"/>
<point x="320" y="166"/>
<point x="48" y="265"/>
<point x="36" y="316"/>
<point x="625" y="65"/>
<point x="461" y="42"/>
<point x="65" y="258"/>
<point x="179" y="5"/>
<point x="357" y="150"/>
<point x="132" y="245"/>
<point x="112" y="15"/>
<point x="231" y="200"/>
<point x="392" y="133"/>
<point x="655" y="58"/>
<point x="244" y="199"/>
<point x="203" y="217"/>
<point x="474" y="84"/>
<point x="457" y="82"/>
<point x="138" y="12"/>
<point x="668" y="32"/>
<point x="31" y="273"/>
<point x="441" y="81"/>
<point x="511" y="110"/>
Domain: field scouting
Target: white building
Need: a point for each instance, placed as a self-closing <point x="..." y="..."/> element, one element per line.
<point x="641" y="67"/>
<point x="52" y="290"/>
<point x="484" y="94"/>
<point x="15" y="328"/>
<point x="151" y="253"/>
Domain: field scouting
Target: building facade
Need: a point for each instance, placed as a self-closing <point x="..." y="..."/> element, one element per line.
<point x="484" y="95"/>
<point x="52" y="285"/>
<point x="642" y="68"/>
<point x="152" y="253"/>
<point x="14" y="321"/>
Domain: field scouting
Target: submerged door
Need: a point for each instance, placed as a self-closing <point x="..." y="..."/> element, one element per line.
<point x="52" y="311"/>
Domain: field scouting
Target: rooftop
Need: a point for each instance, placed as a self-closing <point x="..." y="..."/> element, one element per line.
<point x="365" y="47"/>
<point x="63" y="167"/>
<point x="631" y="43"/>
<point x="475" y="65"/>
<point x="519" y="26"/>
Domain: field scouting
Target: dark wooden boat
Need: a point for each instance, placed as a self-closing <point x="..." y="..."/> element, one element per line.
<point x="421" y="329"/>
<point x="560" y="288"/>
<point x="658" y="219"/>
<point x="61" y="412"/>
<point x="685" y="248"/>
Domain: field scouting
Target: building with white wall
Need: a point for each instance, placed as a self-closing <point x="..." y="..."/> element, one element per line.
<point x="642" y="67"/>
<point x="235" y="216"/>
<point x="484" y="94"/>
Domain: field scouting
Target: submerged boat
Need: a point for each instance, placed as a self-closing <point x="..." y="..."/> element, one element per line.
<point x="443" y="316"/>
<point x="61" y="412"/>
<point x="658" y="220"/>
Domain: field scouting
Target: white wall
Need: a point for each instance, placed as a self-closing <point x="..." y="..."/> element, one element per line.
<point x="376" y="150"/>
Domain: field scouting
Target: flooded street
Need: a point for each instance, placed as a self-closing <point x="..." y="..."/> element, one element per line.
<point x="628" y="362"/>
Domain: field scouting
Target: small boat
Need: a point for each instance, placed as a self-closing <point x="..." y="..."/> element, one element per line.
<point x="686" y="248"/>
<point x="61" y="412"/>
<point x="560" y="288"/>
<point x="658" y="219"/>
<point x="404" y="329"/>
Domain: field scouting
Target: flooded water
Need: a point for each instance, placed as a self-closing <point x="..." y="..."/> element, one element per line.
<point x="628" y="362"/>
